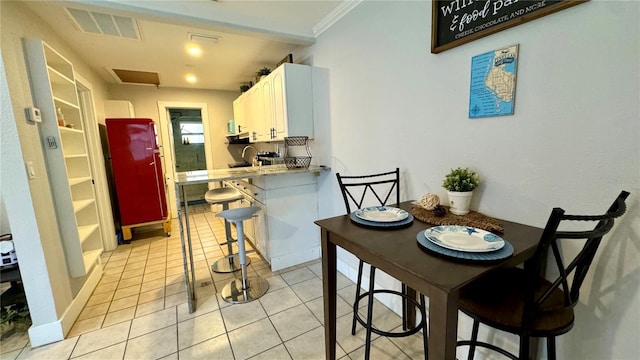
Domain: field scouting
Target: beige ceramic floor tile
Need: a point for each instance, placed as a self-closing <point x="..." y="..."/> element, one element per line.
<point x="239" y="315"/>
<point x="101" y="339"/>
<point x="153" y="345"/>
<point x="123" y="303"/>
<point x="136" y="280"/>
<point x="279" y="352"/>
<point x="217" y="348"/>
<point x="126" y="292"/>
<point x="288" y="329"/>
<point x="17" y="341"/>
<point x="84" y="326"/>
<point x="114" y="352"/>
<point x="119" y="316"/>
<point x="309" y="289"/>
<point x="152" y="322"/>
<point x="151" y="295"/>
<point x="93" y="311"/>
<point x="310" y="346"/>
<point x="253" y="339"/>
<point x="279" y="300"/>
<point x="382" y="349"/>
<point x="149" y="307"/>
<point x="199" y="329"/>
<point x="298" y="275"/>
<point x="58" y="350"/>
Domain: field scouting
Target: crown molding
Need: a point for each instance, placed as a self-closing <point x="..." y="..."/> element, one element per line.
<point x="338" y="13"/>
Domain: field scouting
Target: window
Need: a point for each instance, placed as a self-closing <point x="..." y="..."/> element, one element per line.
<point x="192" y="132"/>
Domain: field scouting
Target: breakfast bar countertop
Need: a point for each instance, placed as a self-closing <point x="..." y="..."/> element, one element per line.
<point x="205" y="176"/>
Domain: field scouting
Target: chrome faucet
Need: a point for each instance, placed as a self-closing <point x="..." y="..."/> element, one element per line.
<point x="245" y="150"/>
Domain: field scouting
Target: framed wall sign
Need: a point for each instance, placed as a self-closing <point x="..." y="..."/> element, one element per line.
<point x="457" y="22"/>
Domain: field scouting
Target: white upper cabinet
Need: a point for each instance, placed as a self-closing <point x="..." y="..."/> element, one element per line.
<point x="65" y="149"/>
<point x="280" y="105"/>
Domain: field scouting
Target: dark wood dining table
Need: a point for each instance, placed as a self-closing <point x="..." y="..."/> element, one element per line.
<point x="396" y="252"/>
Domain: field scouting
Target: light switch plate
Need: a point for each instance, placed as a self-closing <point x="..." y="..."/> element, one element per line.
<point x="33" y="114"/>
<point x="31" y="173"/>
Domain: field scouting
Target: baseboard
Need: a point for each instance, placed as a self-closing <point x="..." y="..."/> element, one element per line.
<point x="56" y="331"/>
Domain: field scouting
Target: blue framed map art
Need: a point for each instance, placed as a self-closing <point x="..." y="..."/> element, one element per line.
<point x="493" y="83"/>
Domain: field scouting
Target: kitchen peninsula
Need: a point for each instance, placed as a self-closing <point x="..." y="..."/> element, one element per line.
<point x="283" y="231"/>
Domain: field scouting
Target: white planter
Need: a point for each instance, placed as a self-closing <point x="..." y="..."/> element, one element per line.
<point x="459" y="202"/>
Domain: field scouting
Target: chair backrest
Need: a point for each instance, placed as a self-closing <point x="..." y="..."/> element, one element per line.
<point x="578" y="265"/>
<point x="370" y="190"/>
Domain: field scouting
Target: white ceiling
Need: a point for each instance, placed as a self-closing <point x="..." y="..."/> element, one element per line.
<point x="253" y="34"/>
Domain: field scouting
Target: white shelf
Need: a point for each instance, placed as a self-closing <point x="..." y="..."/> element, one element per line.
<point x="89" y="258"/>
<point x="80" y="180"/>
<point x="85" y="231"/>
<point x="68" y="165"/>
<point x="81" y="204"/>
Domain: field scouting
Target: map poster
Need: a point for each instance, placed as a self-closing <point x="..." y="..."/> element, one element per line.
<point x="493" y="83"/>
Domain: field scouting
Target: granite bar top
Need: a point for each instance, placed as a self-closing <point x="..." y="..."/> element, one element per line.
<point x="205" y="176"/>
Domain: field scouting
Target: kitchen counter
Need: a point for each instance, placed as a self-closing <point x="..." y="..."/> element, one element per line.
<point x="291" y="197"/>
<point x="206" y="176"/>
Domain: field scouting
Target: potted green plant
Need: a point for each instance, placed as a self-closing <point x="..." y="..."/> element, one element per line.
<point x="460" y="183"/>
<point x="13" y="319"/>
<point x="263" y="72"/>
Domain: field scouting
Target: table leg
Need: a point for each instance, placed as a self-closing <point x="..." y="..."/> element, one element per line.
<point x="329" y="295"/>
<point x="184" y="243"/>
<point x="443" y="325"/>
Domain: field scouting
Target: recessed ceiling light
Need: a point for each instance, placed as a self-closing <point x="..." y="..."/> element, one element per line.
<point x="191" y="78"/>
<point x="194" y="50"/>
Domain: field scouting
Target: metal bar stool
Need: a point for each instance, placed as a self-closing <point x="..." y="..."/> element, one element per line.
<point x="224" y="196"/>
<point x="248" y="288"/>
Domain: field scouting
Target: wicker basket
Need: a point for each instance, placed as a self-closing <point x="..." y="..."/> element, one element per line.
<point x="298" y="162"/>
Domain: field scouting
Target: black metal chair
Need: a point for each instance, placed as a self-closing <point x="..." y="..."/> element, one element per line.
<point x="522" y="302"/>
<point x="370" y="190"/>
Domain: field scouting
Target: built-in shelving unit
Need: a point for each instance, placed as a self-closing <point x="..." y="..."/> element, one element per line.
<point x="65" y="148"/>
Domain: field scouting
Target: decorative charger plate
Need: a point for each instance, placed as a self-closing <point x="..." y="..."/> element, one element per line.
<point x="382" y="214"/>
<point x="505" y="252"/>
<point x="464" y="238"/>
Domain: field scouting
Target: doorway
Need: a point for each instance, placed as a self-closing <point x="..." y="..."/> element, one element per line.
<point x="187" y="133"/>
<point x="169" y="147"/>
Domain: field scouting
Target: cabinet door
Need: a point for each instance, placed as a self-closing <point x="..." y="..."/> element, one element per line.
<point x="266" y="86"/>
<point x="239" y="112"/>
<point x="261" y="233"/>
<point x="255" y="113"/>
<point x="279" y="105"/>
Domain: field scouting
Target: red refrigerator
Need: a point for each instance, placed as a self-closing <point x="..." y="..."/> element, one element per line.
<point x="137" y="170"/>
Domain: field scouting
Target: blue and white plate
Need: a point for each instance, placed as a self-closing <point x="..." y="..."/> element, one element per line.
<point x="464" y="238"/>
<point x="382" y="214"/>
<point x="505" y="252"/>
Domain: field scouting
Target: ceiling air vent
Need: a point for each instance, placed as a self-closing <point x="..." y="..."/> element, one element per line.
<point x="106" y="24"/>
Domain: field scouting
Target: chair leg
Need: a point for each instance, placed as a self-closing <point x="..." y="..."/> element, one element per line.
<point x="355" y="302"/>
<point x="367" y="342"/>
<point x="524" y="347"/>
<point x="425" y="334"/>
<point x="551" y="348"/>
<point x="405" y="325"/>
<point x="474" y="339"/>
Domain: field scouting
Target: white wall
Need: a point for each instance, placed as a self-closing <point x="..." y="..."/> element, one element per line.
<point x="50" y="291"/>
<point x="573" y="142"/>
<point x="219" y="104"/>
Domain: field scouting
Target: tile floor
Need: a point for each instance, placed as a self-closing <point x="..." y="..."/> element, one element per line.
<point x="139" y="309"/>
